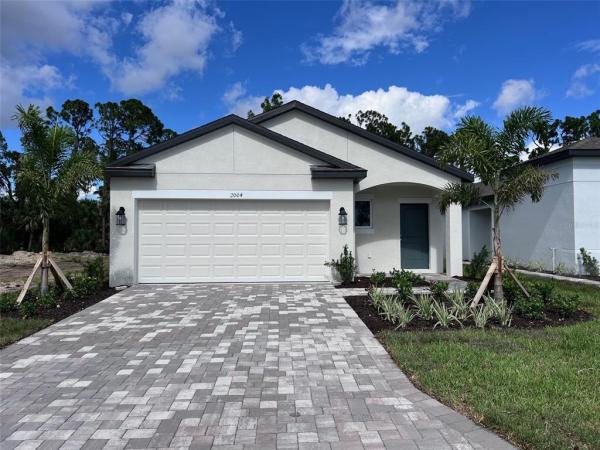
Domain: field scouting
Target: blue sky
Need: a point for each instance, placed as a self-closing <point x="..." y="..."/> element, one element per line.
<point x="422" y="63"/>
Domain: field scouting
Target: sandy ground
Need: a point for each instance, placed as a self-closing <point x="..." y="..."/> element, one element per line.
<point x="15" y="268"/>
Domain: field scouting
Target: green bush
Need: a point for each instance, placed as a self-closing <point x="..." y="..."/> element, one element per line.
<point x="544" y="289"/>
<point x="96" y="270"/>
<point x="471" y="290"/>
<point x="28" y="307"/>
<point x="345" y="266"/>
<point x="413" y="277"/>
<point x="532" y="308"/>
<point x="564" y="305"/>
<point x="439" y="288"/>
<point x="404" y="287"/>
<point x="8" y="302"/>
<point x="377" y="278"/>
<point x="479" y="263"/>
<point x="589" y="263"/>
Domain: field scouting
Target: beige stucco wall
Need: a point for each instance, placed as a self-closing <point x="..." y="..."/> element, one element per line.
<point x="228" y="159"/>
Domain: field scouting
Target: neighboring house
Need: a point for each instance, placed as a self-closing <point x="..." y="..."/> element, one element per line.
<point x="551" y="232"/>
<point x="260" y="200"/>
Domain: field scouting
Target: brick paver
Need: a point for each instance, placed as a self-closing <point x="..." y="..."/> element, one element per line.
<point x="222" y="366"/>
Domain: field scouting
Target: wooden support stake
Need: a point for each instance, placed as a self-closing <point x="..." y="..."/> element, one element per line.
<point x="59" y="276"/>
<point x="485" y="282"/>
<point x="514" y="277"/>
<point x="29" y="280"/>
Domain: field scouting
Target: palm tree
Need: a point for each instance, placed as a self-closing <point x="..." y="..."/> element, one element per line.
<point x="493" y="155"/>
<point x="49" y="172"/>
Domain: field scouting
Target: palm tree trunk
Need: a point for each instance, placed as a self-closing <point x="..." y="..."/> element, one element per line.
<point x="498" y="291"/>
<point x="45" y="245"/>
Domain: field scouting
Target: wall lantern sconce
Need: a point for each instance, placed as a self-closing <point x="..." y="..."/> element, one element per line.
<point x="121" y="219"/>
<point x="343" y="217"/>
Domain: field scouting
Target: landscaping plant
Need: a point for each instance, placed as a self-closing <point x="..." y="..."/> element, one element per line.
<point x="438" y="289"/>
<point x="377" y="278"/>
<point x="443" y="315"/>
<point x="479" y="263"/>
<point x="500" y="310"/>
<point x="424" y="306"/>
<point x="494" y="156"/>
<point x="565" y="305"/>
<point x="481" y="314"/>
<point x="590" y="264"/>
<point x="345" y="266"/>
<point x="460" y="305"/>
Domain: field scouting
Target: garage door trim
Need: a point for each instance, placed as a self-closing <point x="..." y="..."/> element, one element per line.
<point x="240" y="194"/>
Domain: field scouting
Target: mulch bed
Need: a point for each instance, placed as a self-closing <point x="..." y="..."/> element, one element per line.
<point x="69" y="308"/>
<point x="370" y="316"/>
<point x="365" y="283"/>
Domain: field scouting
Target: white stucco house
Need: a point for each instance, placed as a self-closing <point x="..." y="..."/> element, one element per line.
<point x="260" y="200"/>
<point x="551" y="232"/>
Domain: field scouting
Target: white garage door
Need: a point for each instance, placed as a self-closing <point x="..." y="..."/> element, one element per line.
<point x="232" y="240"/>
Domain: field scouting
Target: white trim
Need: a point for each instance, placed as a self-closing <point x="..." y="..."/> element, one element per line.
<point x="234" y="194"/>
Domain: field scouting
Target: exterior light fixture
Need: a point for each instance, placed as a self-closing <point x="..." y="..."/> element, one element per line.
<point x="121" y="216"/>
<point x="343" y="217"/>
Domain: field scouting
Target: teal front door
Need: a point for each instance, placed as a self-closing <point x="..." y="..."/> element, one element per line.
<point x="414" y="236"/>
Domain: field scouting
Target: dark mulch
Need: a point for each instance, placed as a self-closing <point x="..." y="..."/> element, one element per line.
<point x="67" y="309"/>
<point x="370" y="316"/>
<point x="365" y="282"/>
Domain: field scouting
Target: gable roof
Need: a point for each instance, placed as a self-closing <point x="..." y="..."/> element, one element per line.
<point x="587" y="147"/>
<point x="295" y="105"/>
<point x="332" y="167"/>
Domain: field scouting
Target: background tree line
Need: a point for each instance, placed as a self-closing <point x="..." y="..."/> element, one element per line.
<point x="105" y="132"/>
<point x="111" y="130"/>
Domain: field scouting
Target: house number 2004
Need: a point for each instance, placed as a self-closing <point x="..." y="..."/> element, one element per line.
<point x="236" y="195"/>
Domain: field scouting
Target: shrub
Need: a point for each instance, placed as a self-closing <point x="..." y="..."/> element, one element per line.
<point x="424" y="306"/>
<point x="479" y="263"/>
<point x="544" y="289"/>
<point x="471" y="290"/>
<point x="439" y="288"/>
<point x="532" y="308"/>
<point x="96" y="270"/>
<point x="564" y="305"/>
<point x="8" y="302"/>
<point x="500" y="310"/>
<point x="460" y="306"/>
<point x="413" y="277"/>
<point x="590" y="264"/>
<point x="481" y="314"/>
<point x="377" y="278"/>
<point x="443" y="315"/>
<point x="404" y="288"/>
<point x="345" y="266"/>
<point x="512" y="291"/>
<point x="402" y="316"/>
<point x="28" y="307"/>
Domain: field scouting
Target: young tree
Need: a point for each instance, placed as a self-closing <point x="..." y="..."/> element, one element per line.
<point x="49" y="171"/>
<point x="493" y="155"/>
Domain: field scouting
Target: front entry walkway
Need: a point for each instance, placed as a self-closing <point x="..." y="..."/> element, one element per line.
<point x="227" y="366"/>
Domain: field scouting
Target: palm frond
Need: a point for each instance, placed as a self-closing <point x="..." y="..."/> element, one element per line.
<point x="520" y="182"/>
<point x="465" y="194"/>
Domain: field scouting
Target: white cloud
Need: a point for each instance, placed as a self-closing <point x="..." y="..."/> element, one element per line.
<point x="398" y="103"/>
<point x="464" y="109"/>
<point x="591" y="45"/>
<point x="515" y="93"/>
<point x="176" y="38"/>
<point x="25" y="84"/>
<point x="579" y="87"/>
<point x="364" y="26"/>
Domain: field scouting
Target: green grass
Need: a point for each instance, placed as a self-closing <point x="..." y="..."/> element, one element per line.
<point x="540" y="388"/>
<point x="11" y="330"/>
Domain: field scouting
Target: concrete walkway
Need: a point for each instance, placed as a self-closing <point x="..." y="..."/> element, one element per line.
<point x="221" y="366"/>
<point x="552" y="276"/>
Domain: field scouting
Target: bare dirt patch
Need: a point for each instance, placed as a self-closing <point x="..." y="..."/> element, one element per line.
<point x="15" y="268"/>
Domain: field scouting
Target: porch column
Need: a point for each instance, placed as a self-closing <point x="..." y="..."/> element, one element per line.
<point x="454" y="240"/>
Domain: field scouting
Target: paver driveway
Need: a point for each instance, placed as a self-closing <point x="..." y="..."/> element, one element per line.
<point x="229" y="366"/>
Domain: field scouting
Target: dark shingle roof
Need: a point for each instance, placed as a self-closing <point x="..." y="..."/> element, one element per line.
<point x="587" y="147"/>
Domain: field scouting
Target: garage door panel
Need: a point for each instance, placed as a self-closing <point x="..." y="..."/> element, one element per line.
<point x="216" y="240"/>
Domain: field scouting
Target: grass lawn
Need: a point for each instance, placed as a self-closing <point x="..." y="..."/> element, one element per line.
<point x="11" y="330"/>
<point x="540" y="388"/>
